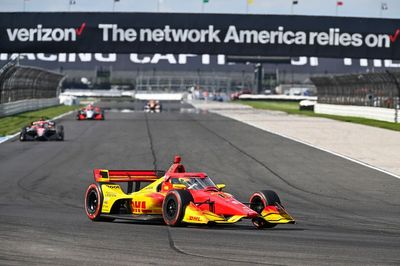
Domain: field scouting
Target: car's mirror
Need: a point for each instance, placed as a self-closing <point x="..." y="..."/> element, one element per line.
<point x="220" y="186"/>
<point x="178" y="186"/>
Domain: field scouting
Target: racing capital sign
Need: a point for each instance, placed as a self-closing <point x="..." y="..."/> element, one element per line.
<point x="250" y="35"/>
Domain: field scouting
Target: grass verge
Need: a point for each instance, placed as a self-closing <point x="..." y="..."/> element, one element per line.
<point x="293" y="108"/>
<point x="14" y="123"/>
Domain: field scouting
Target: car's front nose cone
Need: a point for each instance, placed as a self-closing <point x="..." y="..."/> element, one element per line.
<point x="40" y="132"/>
<point x="252" y="214"/>
<point x="89" y="114"/>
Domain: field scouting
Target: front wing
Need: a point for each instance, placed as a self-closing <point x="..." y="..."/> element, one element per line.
<point x="271" y="214"/>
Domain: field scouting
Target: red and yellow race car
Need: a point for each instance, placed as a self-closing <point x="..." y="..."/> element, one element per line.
<point x="90" y="112"/>
<point x="177" y="197"/>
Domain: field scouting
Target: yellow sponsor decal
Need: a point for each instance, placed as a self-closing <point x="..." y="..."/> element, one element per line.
<point x="111" y="193"/>
<point x="194" y="215"/>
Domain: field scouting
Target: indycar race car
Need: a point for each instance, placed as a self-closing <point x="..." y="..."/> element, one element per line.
<point x="177" y="197"/>
<point x="153" y="106"/>
<point x="90" y="112"/>
<point x="42" y="130"/>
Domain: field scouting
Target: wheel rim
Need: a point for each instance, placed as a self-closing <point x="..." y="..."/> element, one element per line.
<point x="92" y="202"/>
<point x="258" y="223"/>
<point x="171" y="208"/>
<point x="257" y="205"/>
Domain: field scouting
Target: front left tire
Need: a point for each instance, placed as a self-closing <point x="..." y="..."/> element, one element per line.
<point x="174" y="206"/>
<point x="260" y="200"/>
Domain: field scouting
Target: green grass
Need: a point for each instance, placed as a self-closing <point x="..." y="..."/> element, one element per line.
<point x="14" y="123"/>
<point x="293" y="108"/>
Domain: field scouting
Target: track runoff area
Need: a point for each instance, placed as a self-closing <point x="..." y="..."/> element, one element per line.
<point x="346" y="213"/>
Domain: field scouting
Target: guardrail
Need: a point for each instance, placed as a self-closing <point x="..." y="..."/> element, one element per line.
<point x="26" y="105"/>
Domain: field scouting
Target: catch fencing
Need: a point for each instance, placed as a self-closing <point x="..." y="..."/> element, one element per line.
<point x="24" y="82"/>
<point x="371" y="95"/>
<point x="371" y="89"/>
<point x="24" y="88"/>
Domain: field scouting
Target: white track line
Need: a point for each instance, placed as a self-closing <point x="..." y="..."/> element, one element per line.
<point x="4" y="139"/>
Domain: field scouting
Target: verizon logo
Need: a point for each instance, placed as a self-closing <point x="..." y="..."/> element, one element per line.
<point x="42" y="34"/>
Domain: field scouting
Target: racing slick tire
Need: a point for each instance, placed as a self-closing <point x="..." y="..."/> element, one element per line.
<point x="60" y="133"/>
<point x="22" y="135"/>
<point x="94" y="203"/>
<point x="258" y="201"/>
<point x="174" y="204"/>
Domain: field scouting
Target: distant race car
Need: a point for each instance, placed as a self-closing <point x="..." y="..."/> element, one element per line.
<point x="177" y="197"/>
<point x="42" y="130"/>
<point x="307" y="105"/>
<point x="235" y="96"/>
<point x="90" y="112"/>
<point x="153" y="106"/>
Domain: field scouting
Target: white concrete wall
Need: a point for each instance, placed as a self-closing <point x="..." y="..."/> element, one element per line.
<point x="279" y="97"/>
<point x="26" y="105"/>
<point x="384" y="114"/>
<point x="160" y="96"/>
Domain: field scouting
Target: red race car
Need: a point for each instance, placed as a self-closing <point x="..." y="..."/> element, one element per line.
<point x="90" y="112"/>
<point x="177" y="197"/>
<point x="42" y="130"/>
<point x="153" y="106"/>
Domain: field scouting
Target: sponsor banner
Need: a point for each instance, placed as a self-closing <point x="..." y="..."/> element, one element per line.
<point x="191" y="62"/>
<point x="259" y="35"/>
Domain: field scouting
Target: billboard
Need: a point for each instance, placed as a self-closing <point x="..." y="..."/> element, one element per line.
<point x="192" y="62"/>
<point x="249" y="35"/>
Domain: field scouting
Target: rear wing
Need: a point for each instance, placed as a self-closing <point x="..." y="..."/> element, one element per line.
<point x="106" y="176"/>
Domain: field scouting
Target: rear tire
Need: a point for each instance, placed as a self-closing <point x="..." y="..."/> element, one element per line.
<point x="22" y="135"/>
<point x="60" y="133"/>
<point x="94" y="203"/>
<point x="260" y="200"/>
<point x="174" y="206"/>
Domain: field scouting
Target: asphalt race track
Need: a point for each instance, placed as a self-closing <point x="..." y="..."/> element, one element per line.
<point x="346" y="213"/>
